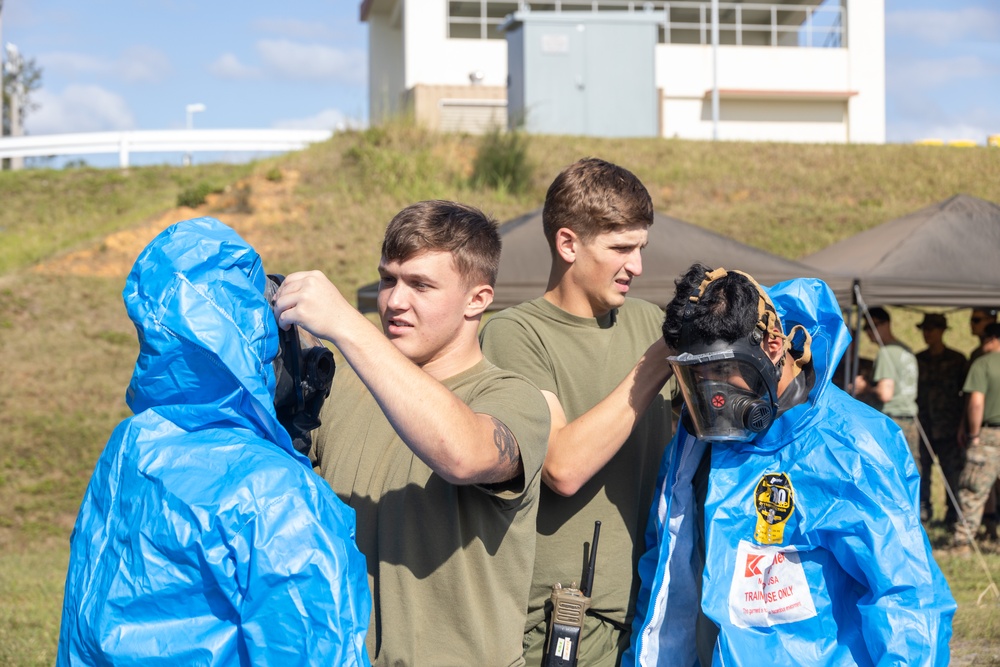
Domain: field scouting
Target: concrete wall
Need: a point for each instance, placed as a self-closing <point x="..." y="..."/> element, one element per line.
<point x="866" y="35"/>
<point x="432" y="58"/>
<point x="471" y="109"/>
<point x="385" y="67"/>
<point x="768" y="93"/>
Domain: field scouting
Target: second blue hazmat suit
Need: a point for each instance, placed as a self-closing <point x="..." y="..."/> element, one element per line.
<point x="844" y="574"/>
<point x="204" y="537"/>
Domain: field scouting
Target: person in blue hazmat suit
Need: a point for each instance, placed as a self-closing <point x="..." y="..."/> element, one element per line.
<point x="786" y="511"/>
<point x="204" y="537"/>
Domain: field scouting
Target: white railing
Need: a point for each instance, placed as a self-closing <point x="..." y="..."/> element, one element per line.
<point x="159" y="141"/>
<point x="684" y="21"/>
<point x="771" y="24"/>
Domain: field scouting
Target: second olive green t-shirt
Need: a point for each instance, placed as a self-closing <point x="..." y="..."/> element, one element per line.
<point x="581" y="360"/>
<point x="984" y="377"/>
<point x="895" y="361"/>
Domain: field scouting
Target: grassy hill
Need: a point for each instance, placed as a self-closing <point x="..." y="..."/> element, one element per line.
<point x="69" y="237"/>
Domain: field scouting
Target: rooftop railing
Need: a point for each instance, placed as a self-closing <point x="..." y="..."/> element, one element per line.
<point x="684" y="22"/>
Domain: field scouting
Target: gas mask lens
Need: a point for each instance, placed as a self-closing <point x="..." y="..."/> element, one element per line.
<point x="728" y="398"/>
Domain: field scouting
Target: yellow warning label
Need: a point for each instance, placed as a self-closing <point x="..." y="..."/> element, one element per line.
<point x="774" y="502"/>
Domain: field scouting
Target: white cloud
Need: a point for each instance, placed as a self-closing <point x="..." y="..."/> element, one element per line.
<point x="907" y="74"/>
<point x="74" y="64"/>
<point x="228" y="66"/>
<point x="926" y="118"/>
<point x="138" y="64"/>
<point x="293" y="28"/>
<point x="328" y="119"/>
<point x="79" y="108"/>
<point x="143" y="64"/>
<point x="313" y="62"/>
<point x="943" y="26"/>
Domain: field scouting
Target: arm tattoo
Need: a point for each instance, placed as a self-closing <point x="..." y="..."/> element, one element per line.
<point x="505" y="442"/>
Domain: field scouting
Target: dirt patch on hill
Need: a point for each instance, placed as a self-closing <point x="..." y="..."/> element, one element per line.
<point x="250" y="206"/>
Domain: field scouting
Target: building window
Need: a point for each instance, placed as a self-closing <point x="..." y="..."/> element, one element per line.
<point x="815" y="23"/>
<point x="478" y="19"/>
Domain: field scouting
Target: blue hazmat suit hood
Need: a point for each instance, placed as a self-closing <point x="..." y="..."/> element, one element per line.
<point x="196" y="297"/>
<point x="811" y="305"/>
<point x="204" y="537"/>
<point x="801" y="547"/>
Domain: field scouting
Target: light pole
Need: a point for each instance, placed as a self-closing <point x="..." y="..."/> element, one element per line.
<point x="1" y="75"/>
<point x="191" y="110"/>
<point x="15" y="66"/>
<point x="715" y="70"/>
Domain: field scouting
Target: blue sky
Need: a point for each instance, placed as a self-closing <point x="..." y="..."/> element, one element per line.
<point x="136" y="64"/>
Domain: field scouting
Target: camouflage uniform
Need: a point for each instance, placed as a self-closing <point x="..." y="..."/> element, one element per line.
<point x="982" y="468"/>
<point x="983" y="455"/>
<point x="940" y="408"/>
<point x="990" y="508"/>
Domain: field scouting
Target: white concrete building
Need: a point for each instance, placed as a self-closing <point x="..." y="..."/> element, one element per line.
<point x="795" y="70"/>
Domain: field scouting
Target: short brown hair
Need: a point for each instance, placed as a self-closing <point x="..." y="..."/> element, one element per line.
<point x="467" y="233"/>
<point x="592" y="196"/>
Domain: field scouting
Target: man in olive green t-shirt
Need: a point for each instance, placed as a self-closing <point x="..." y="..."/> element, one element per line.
<point x="894" y="381"/>
<point x="438" y="451"/>
<point x="600" y="361"/>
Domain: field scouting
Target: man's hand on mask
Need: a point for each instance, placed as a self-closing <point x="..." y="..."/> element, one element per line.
<point x="310" y="300"/>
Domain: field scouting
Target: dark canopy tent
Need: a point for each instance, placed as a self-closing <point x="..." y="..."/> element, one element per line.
<point x="947" y="254"/>
<point x="673" y="246"/>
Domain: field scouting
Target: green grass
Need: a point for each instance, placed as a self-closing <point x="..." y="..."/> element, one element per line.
<point x="68" y="347"/>
<point x="31" y="587"/>
<point x="976" y="626"/>
<point x="45" y="212"/>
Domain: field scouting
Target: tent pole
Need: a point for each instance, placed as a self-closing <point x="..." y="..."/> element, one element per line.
<point x="856" y="347"/>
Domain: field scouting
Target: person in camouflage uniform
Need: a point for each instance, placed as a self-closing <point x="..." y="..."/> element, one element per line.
<point x="979" y="319"/>
<point x="941" y="373"/>
<point x="982" y="467"/>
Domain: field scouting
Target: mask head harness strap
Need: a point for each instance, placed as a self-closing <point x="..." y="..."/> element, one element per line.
<point x="767" y="317"/>
<point x="768" y="322"/>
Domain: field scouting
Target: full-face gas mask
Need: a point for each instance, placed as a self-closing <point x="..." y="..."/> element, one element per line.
<point x="730" y="389"/>
<point x="303" y="373"/>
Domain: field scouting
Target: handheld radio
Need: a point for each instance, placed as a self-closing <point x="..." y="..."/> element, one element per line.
<point x="569" y="606"/>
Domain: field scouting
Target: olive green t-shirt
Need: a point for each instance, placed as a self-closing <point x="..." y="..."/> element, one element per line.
<point x="984" y="377"/>
<point x="446" y="563"/>
<point x="581" y="360"/>
<point x="895" y="361"/>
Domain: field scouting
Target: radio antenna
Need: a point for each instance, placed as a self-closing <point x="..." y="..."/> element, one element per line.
<point x="588" y="575"/>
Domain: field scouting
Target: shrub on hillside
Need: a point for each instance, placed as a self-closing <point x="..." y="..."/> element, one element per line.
<point x="396" y="157"/>
<point x="502" y="161"/>
<point x="195" y="196"/>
